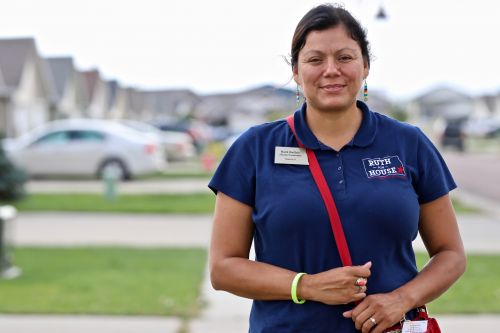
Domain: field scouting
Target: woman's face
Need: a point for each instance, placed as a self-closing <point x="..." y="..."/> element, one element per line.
<point x="330" y="69"/>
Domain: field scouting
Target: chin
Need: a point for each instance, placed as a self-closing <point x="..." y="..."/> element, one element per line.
<point x="334" y="105"/>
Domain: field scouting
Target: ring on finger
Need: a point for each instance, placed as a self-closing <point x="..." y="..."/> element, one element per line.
<point x="361" y="281"/>
<point x="374" y="322"/>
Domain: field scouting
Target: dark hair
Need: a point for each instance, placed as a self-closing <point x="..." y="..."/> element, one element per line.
<point x="324" y="17"/>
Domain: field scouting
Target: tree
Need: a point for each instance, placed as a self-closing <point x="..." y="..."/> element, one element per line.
<point x="12" y="180"/>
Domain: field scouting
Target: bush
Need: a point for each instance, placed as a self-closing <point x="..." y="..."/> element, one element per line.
<point x="398" y="113"/>
<point x="11" y="179"/>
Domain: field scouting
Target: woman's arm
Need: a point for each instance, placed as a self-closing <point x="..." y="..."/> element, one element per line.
<point x="232" y="271"/>
<point x="439" y="231"/>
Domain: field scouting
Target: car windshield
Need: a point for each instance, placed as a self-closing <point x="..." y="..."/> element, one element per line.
<point x="86" y="135"/>
<point x="53" y="138"/>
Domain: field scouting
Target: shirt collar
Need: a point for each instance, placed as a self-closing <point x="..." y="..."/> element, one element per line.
<point x="363" y="138"/>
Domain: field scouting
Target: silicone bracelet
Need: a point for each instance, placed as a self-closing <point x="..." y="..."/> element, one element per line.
<point x="295" y="283"/>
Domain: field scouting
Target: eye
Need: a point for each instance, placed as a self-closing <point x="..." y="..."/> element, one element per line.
<point x="345" y="58"/>
<point x="314" y="60"/>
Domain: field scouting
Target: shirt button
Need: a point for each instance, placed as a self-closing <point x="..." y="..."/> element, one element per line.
<point x="338" y="155"/>
<point x="341" y="181"/>
<point x="339" y="168"/>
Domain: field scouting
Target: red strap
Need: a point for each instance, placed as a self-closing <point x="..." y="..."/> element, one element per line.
<point x="326" y="194"/>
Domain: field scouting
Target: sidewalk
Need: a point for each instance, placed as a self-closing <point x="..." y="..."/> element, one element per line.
<point x="129" y="187"/>
<point x="87" y="324"/>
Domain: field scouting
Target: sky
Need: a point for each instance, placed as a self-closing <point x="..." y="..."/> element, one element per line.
<point x="230" y="45"/>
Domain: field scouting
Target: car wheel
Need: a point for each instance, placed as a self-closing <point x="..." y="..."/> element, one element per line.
<point x="116" y="168"/>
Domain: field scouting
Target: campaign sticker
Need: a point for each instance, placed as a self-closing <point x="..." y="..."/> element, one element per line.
<point x="383" y="167"/>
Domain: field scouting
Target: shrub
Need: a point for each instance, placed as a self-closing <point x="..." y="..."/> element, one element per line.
<point x="12" y="180"/>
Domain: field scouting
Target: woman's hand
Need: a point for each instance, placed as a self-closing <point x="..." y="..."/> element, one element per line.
<point x="335" y="286"/>
<point x="378" y="312"/>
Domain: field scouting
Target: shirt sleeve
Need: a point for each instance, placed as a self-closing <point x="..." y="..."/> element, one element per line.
<point x="235" y="176"/>
<point x="434" y="177"/>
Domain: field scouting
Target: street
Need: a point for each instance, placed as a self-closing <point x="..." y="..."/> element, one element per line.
<point x="476" y="173"/>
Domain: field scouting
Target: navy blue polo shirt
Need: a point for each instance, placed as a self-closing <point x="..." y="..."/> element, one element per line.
<point x="378" y="181"/>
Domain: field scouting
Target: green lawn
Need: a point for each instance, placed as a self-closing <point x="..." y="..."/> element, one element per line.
<point x="477" y="291"/>
<point x="461" y="208"/>
<point x="156" y="281"/>
<point x="197" y="203"/>
<point x="179" y="174"/>
<point x="167" y="282"/>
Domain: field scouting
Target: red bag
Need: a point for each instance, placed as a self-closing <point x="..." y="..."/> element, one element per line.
<point x="338" y="231"/>
<point x="432" y="325"/>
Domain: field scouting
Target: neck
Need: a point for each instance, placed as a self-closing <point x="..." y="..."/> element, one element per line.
<point x="334" y="128"/>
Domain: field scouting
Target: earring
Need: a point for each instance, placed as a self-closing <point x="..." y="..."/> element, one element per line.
<point x="297" y="96"/>
<point x="365" y="92"/>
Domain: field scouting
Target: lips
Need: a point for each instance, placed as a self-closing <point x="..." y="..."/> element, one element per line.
<point x="333" y="87"/>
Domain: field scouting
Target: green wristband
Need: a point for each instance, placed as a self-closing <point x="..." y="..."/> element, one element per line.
<point x="295" y="283"/>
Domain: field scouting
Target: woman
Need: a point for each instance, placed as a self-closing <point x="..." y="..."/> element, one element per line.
<point x="388" y="182"/>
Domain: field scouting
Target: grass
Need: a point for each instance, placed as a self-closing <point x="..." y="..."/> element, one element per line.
<point x="484" y="145"/>
<point x="167" y="282"/>
<point x="160" y="281"/>
<point x="461" y="208"/>
<point x="179" y="174"/>
<point x="196" y="203"/>
<point x="477" y="291"/>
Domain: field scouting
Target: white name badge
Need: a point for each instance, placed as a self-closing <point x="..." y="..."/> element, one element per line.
<point x="290" y="155"/>
<point x="417" y="326"/>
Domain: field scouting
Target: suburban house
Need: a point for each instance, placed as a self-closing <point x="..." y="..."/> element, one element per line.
<point x="246" y="108"/>
<point x="70" y="98"/>
<point x="98" y="93"/>
<point x="165" y="105"/>
<point x="3" y="107"/>
<point x="442" y="103"/>
<point x="378" y="101"/>
<point x="118" y="102"/>
<point x="487" y="107"/>
<point x="138" y="104"/>
<point x="26" y="87"/>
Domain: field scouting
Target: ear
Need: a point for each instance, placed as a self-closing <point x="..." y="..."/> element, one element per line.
<point x="366" y="69"/>
<point x="296" y="75"/>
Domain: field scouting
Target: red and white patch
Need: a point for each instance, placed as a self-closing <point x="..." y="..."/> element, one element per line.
<point x="383" y="167"/>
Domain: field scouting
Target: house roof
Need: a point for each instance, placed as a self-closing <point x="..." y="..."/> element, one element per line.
<point x="443" y="95"/>
<point x="13" y="55"/>
<point x="3" y="87"/>
<point x="489" y="101"/>
<point x="62" y="69"/>
<point x="113" y="87"/>
<point x="90" y="81"/>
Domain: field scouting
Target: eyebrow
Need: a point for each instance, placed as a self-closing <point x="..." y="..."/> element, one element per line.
<point x="321" y="52"/>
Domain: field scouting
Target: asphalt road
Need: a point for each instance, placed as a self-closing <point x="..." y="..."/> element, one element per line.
<point x="476" y="173"/>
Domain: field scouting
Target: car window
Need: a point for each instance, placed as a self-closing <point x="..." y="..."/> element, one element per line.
<point x="53" y="138"/>
<point x="86" y="136"/>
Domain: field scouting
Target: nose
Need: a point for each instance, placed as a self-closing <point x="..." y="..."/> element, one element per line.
<point x="332" y="67"/>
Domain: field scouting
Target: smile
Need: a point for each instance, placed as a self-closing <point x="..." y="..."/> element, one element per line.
<point x="333" y="87"/>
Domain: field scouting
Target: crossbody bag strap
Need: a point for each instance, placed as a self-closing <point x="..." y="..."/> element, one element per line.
<point x="326" y="194"/>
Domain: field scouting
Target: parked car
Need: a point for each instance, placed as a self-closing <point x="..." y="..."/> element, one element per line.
<point x="199" y="132"/>
<point x="178" y="146"/>
<point x="453" y="135"/>
<point x="488" y="127"/>
<point x="85" y="147"/>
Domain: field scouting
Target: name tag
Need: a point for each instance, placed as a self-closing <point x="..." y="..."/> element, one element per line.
<point x="417" y="326"/>
<point x="290" y="155"/>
